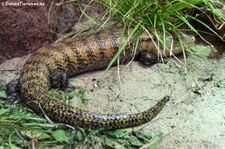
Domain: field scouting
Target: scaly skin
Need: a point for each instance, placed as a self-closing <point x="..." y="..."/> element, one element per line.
<point x="74" y="56"/>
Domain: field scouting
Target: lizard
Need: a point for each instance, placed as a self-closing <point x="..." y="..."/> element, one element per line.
<point x="52" y="65"/>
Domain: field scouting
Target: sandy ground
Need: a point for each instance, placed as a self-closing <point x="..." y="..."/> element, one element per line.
<point x="193" y="118"/>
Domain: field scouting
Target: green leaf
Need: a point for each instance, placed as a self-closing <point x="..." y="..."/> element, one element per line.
<point x="218" y="84"/>
<point x="134" y="141"/>
<point x="79" y="136"/>
<point x="113" y="144"/>
<point x="145" y="136"/>
<point x="37" y="134"/>
<point x="3" y="94"/>
<point x="153" y="146"/>
<point x="12" y="146"/>
<point x="3" y="111"/>
<point x="60" y="136"/>
<point x="118" y="134"/>
<point x="72" y="81"/>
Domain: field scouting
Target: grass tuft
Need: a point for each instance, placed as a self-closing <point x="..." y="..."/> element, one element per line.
<point x="158" y="18"/>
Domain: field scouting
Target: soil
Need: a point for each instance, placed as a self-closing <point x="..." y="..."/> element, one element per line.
<point x="193" y="118"/>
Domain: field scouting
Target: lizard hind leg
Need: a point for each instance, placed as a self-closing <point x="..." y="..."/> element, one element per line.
<point x="60" y="79"/>
<point x="13" y="91"/>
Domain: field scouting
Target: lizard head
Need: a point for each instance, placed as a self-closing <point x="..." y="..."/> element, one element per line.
<point x="172" y="44"/>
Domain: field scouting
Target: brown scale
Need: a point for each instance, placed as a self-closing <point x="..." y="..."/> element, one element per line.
<point x="72" y="57"/>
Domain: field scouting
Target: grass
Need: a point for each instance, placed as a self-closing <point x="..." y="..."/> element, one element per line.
<point x="158" y="18"/>
<point x="166" y="16"/>
<point x="21" y="128"/>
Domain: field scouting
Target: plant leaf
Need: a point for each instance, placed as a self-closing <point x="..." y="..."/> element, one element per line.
<point x="60" y="135"/>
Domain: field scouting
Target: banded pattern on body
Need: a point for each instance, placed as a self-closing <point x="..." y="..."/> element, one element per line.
<point x="61" y="60"/>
